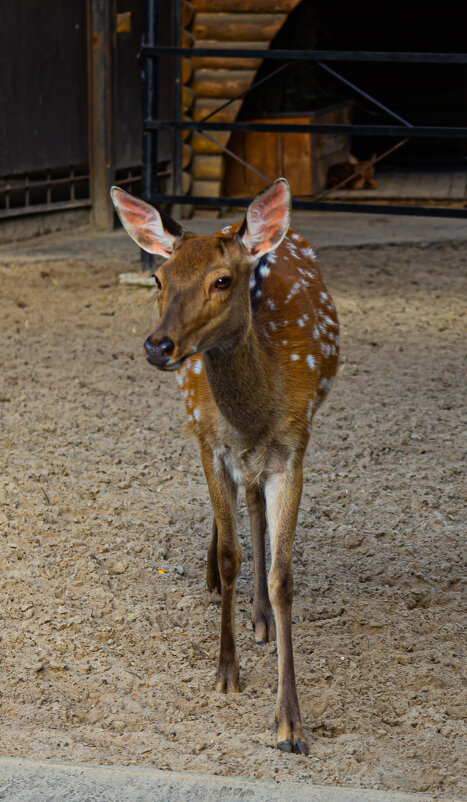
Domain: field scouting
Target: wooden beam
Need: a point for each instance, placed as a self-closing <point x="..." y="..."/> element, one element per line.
<point x="101" y="49"/>
<point x="221" y="83"/>
<point x="205" y="106"/>
<point x="224" y="63"/>
<point x="235" y="27"/>
<point x="255" y="6"/>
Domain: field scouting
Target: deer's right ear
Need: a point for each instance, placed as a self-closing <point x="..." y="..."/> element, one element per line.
<point x="152" y="231"/>
<point x="267" y="220"/>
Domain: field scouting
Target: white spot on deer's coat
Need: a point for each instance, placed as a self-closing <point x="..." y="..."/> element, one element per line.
<point x="252" y="281"/>
<point x="296" y="236"/>
<point x="284" y="342"/>
<point x="300" y="322"/>
<point x="293" y="291"/>
<point x="196" y="414"/>
<point x="265" y="271"/>
<point x="272" y="325"/>
<point x="324" y="296"/>
<point x="311" y="362"/>
<point x="315" y="332"/>
<point x="271" y="257"/>
<point x="271" y="304"/>
<point x="309" y="253"/>
<point x="325" y="350"/>
<point x="197" y="366"/>
<point x="294" y="357"/>
<point x="323" y="383"/>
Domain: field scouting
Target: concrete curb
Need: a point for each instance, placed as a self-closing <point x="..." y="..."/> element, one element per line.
<point x="30" y="780"/>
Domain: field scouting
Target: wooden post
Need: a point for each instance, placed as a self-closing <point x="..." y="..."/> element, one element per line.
<point x="101" y="47"/>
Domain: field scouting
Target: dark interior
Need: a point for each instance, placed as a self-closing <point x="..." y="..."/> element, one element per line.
<point x="423" y="94"/>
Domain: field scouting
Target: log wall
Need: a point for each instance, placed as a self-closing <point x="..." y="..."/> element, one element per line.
<point x="237" y="24"/>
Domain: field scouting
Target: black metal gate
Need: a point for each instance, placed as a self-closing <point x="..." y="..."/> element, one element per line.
<point x="401" y="130"/>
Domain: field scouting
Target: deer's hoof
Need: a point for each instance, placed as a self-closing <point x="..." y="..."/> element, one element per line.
<point x="264" y="626"/>
<point x="227" y="680"/>
<point x="301" y="748"/>
<point x="285" y="746"/>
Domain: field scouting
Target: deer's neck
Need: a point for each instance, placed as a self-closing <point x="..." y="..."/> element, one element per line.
<point x="242" y="385"/>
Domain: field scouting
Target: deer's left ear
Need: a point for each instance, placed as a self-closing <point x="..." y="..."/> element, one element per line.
<point x="267" y="219"/>
<point x="151" y="230"/>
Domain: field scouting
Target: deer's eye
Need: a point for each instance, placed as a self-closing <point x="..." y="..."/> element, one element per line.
<point x="158" y="284"/>
<point x="222" y="283"/>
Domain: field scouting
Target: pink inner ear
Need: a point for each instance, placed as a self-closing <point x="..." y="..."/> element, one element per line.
<point x="143" y="223"/>
<point x="268" y="219"/>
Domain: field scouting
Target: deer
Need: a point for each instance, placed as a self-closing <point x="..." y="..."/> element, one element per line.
<point x="249" y="328"/>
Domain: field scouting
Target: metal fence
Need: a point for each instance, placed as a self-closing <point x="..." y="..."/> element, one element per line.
<point x="151" y="53"/>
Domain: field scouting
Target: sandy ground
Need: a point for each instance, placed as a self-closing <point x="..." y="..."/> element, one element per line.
<point x="108" y="637"/>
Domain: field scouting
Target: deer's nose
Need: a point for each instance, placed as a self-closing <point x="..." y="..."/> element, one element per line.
<point x="158" y="354"/>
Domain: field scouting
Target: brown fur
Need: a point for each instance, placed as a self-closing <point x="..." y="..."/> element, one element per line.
<point x="259" y="371"/>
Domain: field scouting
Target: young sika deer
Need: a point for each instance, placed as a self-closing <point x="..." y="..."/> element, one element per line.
<point x="248" y="325"/>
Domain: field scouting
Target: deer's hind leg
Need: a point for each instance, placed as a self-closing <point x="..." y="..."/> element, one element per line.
<point x="262" y="614"/>
<point x="213" y="579"/>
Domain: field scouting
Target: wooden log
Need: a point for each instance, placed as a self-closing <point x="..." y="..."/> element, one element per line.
<point x="235" y="27"/>
<point x="255" y="6"/>
<point x="222" y="83"/>
<point x="206" y="188"/>
<point x="201" y="144"/>
<point x="208" y="168"/>
<point x="187" y="153"/>
<point x="188" y="97"/>
<point x="187" y="39"/>
<point x="205" y="106"/>
<point x="187" y="182"/>
<point x="186" y="13"/>
<point x="186" y="134"/>
<point x="187" y="70"/>
<point x="219" y="62"/>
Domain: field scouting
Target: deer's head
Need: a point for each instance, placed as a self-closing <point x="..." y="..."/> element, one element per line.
<point x="203" y="286"/>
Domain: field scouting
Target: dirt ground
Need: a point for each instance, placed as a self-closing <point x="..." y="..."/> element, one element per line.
<point x="108" y="636"/>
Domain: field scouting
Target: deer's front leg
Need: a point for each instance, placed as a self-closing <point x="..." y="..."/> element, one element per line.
<point x="223" y="493"/>
<point x="283" y="492"/>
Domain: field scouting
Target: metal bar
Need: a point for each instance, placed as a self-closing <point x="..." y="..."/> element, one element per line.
<point x="308" y="55"/>
<point x="416" y="131"/>
<point x="101" y="34"/>
<point x="237" y="158"/>
<point x="177" y="99"/>
<point x="59" y="206"/>
<point x="53" y="182"/>
<point x="151" y="108"/>
<point x="244" y="93"/>
<point x="326" y="206"/>
<point x="364" y="94"/>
